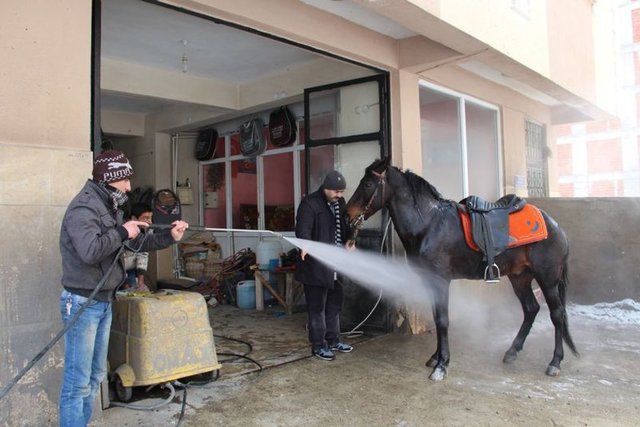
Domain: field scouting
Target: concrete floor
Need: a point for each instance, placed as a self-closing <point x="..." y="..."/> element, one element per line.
<point x="384" y="381"/>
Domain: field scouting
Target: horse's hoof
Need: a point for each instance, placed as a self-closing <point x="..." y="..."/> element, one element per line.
<point x="438" y="374"/>
<point x="431" y="363"/>
<point x="553" y="371"/>
<point x="510" y="356"/>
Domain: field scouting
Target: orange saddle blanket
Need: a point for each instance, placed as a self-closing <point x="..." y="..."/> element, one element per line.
<point x="525" y="226"/>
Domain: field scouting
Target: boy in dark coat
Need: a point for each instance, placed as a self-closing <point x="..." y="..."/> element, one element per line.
<point x="321" y="218"/>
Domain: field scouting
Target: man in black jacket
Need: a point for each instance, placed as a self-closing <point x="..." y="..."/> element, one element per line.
<point x="321" y="218"/>
<point x="91" y="236"/>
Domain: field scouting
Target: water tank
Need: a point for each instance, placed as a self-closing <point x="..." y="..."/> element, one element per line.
<point x="246" y="294"/>
<point x="268" y="250"/>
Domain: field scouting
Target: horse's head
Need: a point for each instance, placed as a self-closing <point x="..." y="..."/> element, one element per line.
<point x="370" y="196"/>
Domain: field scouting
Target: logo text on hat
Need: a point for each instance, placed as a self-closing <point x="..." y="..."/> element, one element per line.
<point x="118" y="165"/>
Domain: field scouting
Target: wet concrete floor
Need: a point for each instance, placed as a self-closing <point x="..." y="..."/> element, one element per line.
<point x="384" y="382"/>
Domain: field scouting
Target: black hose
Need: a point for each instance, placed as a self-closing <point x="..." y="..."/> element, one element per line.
<point x="248" y="344"/>
<point x="184" y="404"/>
<point x="64" y="330"/>
<point x="241" y="356"/>
<point x="197" y="383"/>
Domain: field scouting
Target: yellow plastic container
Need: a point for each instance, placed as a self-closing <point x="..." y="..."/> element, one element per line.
<point x="161" y="337"/>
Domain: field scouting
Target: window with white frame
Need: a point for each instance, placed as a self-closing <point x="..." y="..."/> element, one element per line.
<point x="460" y="144"/>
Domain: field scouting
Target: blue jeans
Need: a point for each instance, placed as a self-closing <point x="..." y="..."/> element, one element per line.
<point x="85" y="357"/>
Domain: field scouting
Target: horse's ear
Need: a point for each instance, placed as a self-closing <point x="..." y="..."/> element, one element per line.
<point x="379" y="165"/>
<point x="383" y="164"/>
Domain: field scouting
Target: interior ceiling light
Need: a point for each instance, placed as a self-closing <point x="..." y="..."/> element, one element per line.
<point x="185" y="60"/>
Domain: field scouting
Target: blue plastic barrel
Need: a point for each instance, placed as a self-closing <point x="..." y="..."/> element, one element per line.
<point x="246" y="294"/>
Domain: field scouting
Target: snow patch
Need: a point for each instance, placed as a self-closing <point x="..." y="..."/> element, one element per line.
<point x="625" y="312"/>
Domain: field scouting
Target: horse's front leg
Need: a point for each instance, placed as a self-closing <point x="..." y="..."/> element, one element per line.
<point x="433" y="360"/>
<point x="439" y="361"/>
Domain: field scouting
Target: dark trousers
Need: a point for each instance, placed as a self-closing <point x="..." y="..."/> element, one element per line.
<point x="323" y="307"/>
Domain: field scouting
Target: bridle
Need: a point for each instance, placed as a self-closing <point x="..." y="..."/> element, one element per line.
<point x="356" y="224"/>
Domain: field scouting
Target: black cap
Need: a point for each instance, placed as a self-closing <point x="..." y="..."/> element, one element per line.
<point x="334" y="181"/>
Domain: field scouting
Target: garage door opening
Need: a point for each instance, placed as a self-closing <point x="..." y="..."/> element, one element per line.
<point x="167" y="78"/>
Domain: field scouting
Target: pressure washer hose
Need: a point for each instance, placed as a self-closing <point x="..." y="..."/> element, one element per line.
<point x="172" y="394"/>
<point x="354" y="332"/>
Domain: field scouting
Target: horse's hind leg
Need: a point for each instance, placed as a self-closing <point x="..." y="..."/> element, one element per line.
<point x="521" y="284"/>
<point x="558" y="315"/>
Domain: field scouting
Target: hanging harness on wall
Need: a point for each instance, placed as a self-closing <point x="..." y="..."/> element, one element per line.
<point x="282" y="127"/>
<point x="252" y="141"/>
<point x="166" y="207"/>
<point x="206" y="144"/>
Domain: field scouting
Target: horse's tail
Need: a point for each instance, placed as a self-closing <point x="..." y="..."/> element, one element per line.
<point x="562" y="290"/>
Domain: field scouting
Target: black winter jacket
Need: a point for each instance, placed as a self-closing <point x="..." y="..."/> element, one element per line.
<point x="90" y="239"/>
<point x="315" y="221"/>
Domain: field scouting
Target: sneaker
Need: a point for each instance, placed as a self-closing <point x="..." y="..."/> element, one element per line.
<point x="323" y="353"/>
<point x="342" y="347"/>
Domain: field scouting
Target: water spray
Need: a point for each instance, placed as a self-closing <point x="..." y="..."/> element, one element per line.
<point x="376" y="272"/>
<point x="398" y="279"/>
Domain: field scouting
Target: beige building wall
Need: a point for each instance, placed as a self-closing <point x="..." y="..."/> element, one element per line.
<point x="47" y="101"/>
<point x="294" y="20"/>
<point x="572" y="48"/>
<point x="45" y="119"/>
<point x="405" y="121"/>
<point x="582" y="38"/>
<point x="520" y="33"/>
<point x="45" y="158"/>
<point x="514" y="151"/>
<point x="607" y="62"/>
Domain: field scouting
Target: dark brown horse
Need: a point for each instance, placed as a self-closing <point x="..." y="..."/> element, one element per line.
<point x="430" y="230"/>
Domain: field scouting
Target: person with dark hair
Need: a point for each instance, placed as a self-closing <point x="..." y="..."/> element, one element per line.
<point x="321" y="218"/>
<point x="136" y="262"/>
<point x="91" y="237"/>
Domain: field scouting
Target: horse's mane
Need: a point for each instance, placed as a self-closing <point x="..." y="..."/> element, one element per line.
<point x="420" y="185"/>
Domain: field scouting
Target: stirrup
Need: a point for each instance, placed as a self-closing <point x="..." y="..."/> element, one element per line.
<point x="488" y="273"/>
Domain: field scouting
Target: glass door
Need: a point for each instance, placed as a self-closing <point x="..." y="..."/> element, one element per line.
<point x="346" y="128"/>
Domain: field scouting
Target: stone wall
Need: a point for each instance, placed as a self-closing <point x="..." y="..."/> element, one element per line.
<point x="604" y="262"/>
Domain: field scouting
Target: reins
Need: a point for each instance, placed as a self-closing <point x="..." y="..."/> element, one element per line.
<point x="381" y="183"/>
<point x="357" y="223"/>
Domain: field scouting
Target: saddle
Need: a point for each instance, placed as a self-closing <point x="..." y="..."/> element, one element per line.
<point x="490" y="227"/>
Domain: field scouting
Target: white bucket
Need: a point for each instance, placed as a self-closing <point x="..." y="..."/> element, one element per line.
<point x="266" y="251"/>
